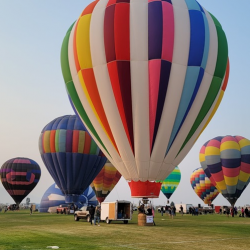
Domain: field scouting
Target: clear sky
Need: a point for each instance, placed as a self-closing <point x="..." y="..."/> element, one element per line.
<point x="32" y="89"/>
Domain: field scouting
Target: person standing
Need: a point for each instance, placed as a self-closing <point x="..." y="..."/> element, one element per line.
<point x="232" y="211"/>
<point x="162" y="211"/>
<point x="30" y="209"/>
<point x="246" y="212"/>
<point x="172" y="211"/>
<point x="92" y="213"/>
<point x="242" y="212"/>
<point x="97" y="215"/>
<point x="181" y="207"/>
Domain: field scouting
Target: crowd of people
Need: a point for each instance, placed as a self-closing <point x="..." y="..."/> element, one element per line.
<point x="95" y="215"/>
<point x="170" y="210"/>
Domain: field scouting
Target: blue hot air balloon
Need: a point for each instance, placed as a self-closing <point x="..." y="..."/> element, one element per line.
<point x="53" y="197"/>
<point x="71" y="156"/>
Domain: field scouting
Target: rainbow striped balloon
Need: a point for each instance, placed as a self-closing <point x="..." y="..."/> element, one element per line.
<point x="202" y="186"/>
<point x="71" y="156"/>
<point x="105" y="181"/>
<point x="226" y="161"/>
<point x="145" y="77"/>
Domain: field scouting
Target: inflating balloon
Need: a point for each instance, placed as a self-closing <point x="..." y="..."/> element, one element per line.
<point x="145" y="77"/>
<point x="226" y="161"/>
<point x="105" y="181"/>
<point x="202" y="186"/>
<point x="170" y="184"/>
<point x="71" y="156"/>
<point x="53" y="197"/>
<point x="19" y="177"/>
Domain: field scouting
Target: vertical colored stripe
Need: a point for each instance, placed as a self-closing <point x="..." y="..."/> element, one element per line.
<point x="121" y="31"/>
<point x="154" y="82"/>
<point x="52" y="141"/>
<point x="119" y="72"/>
<point x="168" y="32"/>
<point x="69" y="140"/>
<point x="81" y="142"/>
<point x="46" y="141"/>
<point x="87" y="144"/>
<point x="75" y="141"/>
<point x="197" y="38"/>
<point x="164" y="80"/>
<point x="109" y="36"/>
<point x="155" y="30"/>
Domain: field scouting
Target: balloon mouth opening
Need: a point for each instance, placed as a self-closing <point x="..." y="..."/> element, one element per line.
<point x="145" y="189"/>
<point x="72" y="198"/>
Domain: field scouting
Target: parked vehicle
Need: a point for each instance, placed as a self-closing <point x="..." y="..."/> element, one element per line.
<point x="207" y="209"/>
<point x="116" y="210"/>
<point x="82" y="213"/>
<point x="65" y="209"/>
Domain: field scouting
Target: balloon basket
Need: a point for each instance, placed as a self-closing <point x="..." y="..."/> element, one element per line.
<point x="145" y="189"/>
<point x="143" y="220"/>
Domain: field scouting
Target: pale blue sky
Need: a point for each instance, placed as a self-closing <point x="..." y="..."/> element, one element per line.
<point x="32" y="87"/>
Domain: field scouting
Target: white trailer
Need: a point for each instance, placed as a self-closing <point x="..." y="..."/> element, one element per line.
<point x="116" y="210"/>
<point x="185" y="208"/>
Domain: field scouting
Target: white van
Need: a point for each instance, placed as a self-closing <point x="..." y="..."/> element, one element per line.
<point x="116" y="210"/>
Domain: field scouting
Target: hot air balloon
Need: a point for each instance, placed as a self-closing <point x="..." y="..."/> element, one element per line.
<point x="105" y="181"/>
<point x="19" y="177"/>
<point x="53" y="197"/>
<point x="226" y="162"/>
<point x="170" y="184"/>
<point x="202" y="186"/>
<point x="71" y="156"/>
<point x="146" y="77"/>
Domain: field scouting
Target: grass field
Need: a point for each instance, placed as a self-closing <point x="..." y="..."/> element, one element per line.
<point x="19" y="230"/>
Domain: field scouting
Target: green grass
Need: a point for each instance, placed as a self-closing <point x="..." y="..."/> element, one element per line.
<point x="21" y="231"/>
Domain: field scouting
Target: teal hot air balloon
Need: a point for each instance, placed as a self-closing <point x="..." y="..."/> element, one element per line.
<point x="170" y="184"/>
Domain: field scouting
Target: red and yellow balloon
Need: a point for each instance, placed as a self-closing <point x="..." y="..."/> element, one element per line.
<point x="105" y="181"/>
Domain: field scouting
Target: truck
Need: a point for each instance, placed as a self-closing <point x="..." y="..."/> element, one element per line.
<point x="119" y="210"/>
<point x="185" y="208"/>
<point x="65" y="209"/>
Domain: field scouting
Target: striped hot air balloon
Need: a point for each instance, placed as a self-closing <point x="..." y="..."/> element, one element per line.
<point x="226" y="161"/>
<point x="202" y="186"/>
<point x="19" y="177"/>
<point x="146" y="77"/>
<point x="105" y="181"/>
<point x="71" y="156"/>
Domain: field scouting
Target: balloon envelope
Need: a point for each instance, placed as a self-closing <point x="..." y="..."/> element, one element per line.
<point x="202" y="186"/>
<point x="71" y="156"/>
<point x="19" y="177"/>
<point x="54" y="197"/>
<point x="105" y="181"/>
<point x="226" y="161"/>
<point x="170" y="184"/>
<point x="145" y="77"/>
